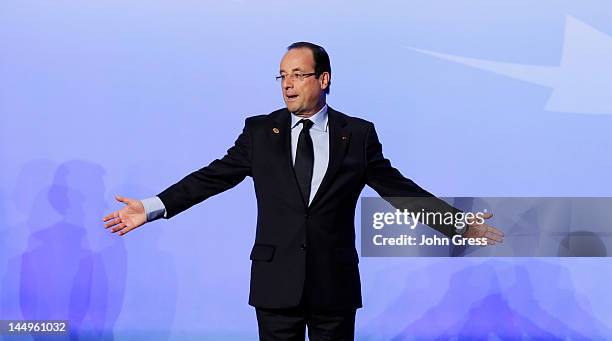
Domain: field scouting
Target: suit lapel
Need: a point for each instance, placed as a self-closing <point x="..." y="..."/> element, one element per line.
<point x="281" y="131"/>
<point x="339" y="138"/>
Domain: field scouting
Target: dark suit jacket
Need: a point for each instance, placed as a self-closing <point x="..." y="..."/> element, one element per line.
<point x="300" y="248"/>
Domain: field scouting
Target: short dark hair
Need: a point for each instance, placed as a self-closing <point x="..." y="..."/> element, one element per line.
<point x="321" y="58"/>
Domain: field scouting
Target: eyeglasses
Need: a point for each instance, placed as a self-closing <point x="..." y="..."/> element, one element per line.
<point x="295" y="76"/>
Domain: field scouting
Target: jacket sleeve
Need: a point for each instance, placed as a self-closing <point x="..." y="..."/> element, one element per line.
<point x="220" y="175"/>
<point x="401" y="192"/>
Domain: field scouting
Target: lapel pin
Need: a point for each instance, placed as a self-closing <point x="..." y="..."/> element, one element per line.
<point x="344" y="137"/>
<point x="275" y="130"/>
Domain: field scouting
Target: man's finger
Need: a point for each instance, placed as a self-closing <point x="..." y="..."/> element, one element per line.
<point x="494" y="234"/>
<point x="497" y="233"/>
<point x="494" y="230"/>
<point x="126" y="230"/>
<point x="122" y="199"/>
<point x="487" y="215"/>
<point x="112" y="223"/>
<point x="494" y="237"/>
<point x="111" y="216"/>
<point x="119" y="227"/>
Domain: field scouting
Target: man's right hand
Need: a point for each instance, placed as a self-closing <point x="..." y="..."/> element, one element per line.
<point x="131" y="216"/>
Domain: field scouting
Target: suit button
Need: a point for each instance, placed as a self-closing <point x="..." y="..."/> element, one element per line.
<point x="303" y="247"/>
<point x="306" y="215"/>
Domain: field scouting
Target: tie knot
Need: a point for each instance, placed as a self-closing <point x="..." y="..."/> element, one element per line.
<point x="306" y="123"/>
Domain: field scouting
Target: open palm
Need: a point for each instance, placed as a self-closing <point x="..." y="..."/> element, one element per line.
<point x="491" y="234"/>
<point x="131" y="216"/>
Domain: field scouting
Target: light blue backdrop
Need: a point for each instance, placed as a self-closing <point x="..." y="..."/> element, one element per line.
<point x="470" y="98"/>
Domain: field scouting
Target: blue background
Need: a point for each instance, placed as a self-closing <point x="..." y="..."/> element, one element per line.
<point x="111" y="97"/>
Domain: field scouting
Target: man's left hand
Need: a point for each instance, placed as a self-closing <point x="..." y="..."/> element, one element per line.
<point x="492" y="234"/>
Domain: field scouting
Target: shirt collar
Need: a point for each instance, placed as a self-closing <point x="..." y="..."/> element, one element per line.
<point x="319" y="119"/>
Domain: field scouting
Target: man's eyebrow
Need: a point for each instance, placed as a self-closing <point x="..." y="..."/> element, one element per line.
<point x="294" y="69"/>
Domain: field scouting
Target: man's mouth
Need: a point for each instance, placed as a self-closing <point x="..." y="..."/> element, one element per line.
<point x="291" y="98"/>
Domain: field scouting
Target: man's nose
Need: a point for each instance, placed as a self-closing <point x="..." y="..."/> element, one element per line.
<point x="287" y="83"/>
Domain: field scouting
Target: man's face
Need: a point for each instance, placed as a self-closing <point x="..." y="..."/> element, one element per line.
<point x="302" y="97"/>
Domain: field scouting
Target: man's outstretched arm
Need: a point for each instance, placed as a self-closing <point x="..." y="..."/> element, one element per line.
<point x="402" y="192"/>
<point x="220" y="175"/>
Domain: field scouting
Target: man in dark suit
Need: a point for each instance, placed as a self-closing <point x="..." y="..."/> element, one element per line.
<point x="309" y="164"/>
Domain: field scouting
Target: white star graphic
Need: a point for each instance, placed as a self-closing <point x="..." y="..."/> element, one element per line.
<point x="582" y="81"/>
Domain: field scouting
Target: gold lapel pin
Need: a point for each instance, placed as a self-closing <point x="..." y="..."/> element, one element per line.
<point x="275" y="130"/>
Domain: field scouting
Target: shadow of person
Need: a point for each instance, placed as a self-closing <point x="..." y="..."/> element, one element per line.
<point x="25" y="211"/>
<point x="61" y="276"/>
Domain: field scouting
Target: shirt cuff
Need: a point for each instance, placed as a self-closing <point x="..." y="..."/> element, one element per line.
<point x="154" y="208"/>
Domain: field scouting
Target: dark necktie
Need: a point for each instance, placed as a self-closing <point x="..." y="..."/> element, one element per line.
<point x="304" y="160"/>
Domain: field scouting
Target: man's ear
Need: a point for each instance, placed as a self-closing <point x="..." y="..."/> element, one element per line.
<point x="324" y="80"/>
